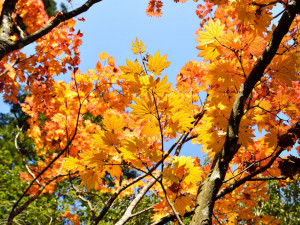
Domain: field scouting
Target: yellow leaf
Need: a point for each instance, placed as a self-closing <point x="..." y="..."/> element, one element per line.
<point x="138" y="47"/>
<point x="93" y="159"/>
<point x="132" y="67"/>
<point x="103" y="55"/>
<point x="127" y="155"/>
<point x="144" y="107"/>
<point x="135" y="143"/>
<point x="193" y="176"/>
<point x="187" y="162"/>
<point x="151" y="128"/>
<point x="214" y="31"/>
<point x="114" y="170"/>
<point x="113" y="123"/>
<point x="110" y="139"/>
<point x="90" y="178"/>
<point x="162" y="86"/>
<point x="208" y="52"/>
<point x="71" y="163"/>
<point x="183" y="203"/>
<point x="157" y="64"/>
<point x="11" y="71"/>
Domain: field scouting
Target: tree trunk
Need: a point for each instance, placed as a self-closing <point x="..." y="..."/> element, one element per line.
<point x="211" y="185"/>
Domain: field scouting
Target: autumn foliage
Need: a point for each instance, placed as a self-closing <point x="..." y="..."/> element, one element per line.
<point x="238" y="110"/>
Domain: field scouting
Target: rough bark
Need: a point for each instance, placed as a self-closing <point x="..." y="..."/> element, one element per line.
<point x="5" y="25"/>
<point x="212" y="183"/>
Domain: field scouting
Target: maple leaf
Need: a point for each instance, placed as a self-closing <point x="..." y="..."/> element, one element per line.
<point x="110" y="139"/>
<point x="151" y="128"/>
<point x="71" y="163"/>
<point x="283" y="69"/>
<point x="93" y="159"/>
<point x="161" y="87"/>
<point x="154" y="8"/>
<point x="114" y="170"/>
<point x="103" y="56"/>
<point x="194" y="175"/>
<point x="11" y="71"/>
<point x="214" y="31"/>
<point x="138" y="47"/>
<point x="157" y="64"/>
<point x="132" y="67"/>
<point x="90" y="178"/>
<point x="144" y="107"/>
<point x="183" y="203"/>
<point x="113" y="123"/>
<point x="208" y="52"/>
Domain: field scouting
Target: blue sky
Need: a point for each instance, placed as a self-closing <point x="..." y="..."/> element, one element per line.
<point x="112" y="25"/>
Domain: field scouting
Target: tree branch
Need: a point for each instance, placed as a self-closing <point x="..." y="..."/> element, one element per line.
<point x="7" y="46"/>
<point x="268" y="178"/>
<point x="213" y="181"/>
<point x="128" y="213"/>
<point x="171" y="205"/>
<point x="171" y="217"/>
<point x="229" y="189"/>
<point x="17" y="211"/>
<point x="142" y="211"/>
<point x="115" y="195"/>
<point x="82" y="198"/>
<point x="22" y="157"/>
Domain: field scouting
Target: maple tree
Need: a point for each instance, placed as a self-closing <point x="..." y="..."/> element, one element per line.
<point x="239" y="106"/>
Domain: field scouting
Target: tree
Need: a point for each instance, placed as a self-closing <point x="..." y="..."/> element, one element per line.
<point x="283" y="202"/>
<point x="16" y="148"/>
<point x="112" y="119"/>
<point x="51" y="9"/>
<point x="16" y="153"/>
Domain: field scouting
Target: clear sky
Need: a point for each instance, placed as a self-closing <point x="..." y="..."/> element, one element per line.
<point x="112" y="25"/>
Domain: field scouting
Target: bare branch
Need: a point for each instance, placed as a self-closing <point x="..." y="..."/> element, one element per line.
<point x="22" y="157"/>
<point x="77" y="192"/>
<point x="248" y="167"/>
<point x="267" y="4"/>
<point x="142" y="211"/>
<point x="171" y="217"/>
<point x="128" y="213"/>
<point x="115" y="195"/>
<point x="267" y="178"/>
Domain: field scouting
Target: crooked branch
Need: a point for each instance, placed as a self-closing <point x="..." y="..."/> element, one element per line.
<point x="8" y="8"/>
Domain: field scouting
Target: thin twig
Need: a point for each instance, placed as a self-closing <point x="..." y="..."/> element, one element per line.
<point x="142" y="211"/>
<point x="171" y="205"/>
<point x="82" y="198"/>
<point x="22" y="157"/>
